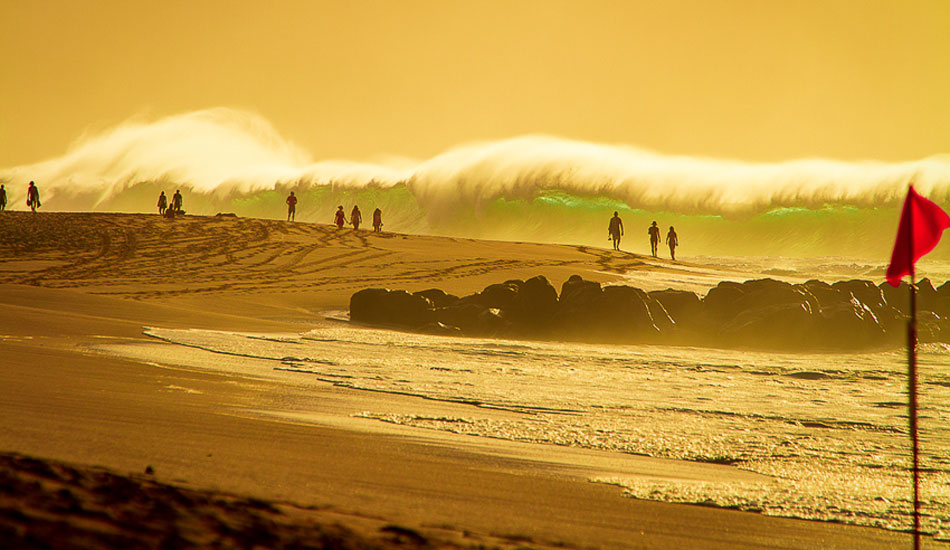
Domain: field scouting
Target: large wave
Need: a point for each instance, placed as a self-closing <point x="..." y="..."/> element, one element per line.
<point x="537" y="188"/>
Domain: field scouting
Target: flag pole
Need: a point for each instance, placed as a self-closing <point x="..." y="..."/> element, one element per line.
<point x="912" y="375"/>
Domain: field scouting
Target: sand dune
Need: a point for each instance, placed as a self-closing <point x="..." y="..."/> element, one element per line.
<point x="69" y="282"/>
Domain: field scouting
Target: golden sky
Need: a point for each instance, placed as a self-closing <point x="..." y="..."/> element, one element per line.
<point x="755" y="80"/>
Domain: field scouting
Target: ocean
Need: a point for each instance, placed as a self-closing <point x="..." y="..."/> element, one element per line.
<point x="527" y="188"/>
<point x="829" y="430"/>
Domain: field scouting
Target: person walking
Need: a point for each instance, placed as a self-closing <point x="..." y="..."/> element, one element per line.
<point x="162" y="203"/>
<point x="615" y="230"/>
<point x="654" y="232"/>
<point x="356" y="217"/>
<point x="340" y="217"/>
<point x="177" y="201"/>
<point x="377" y="220"/>
<point x="291" y="207"/>
<point x="3" y="198"/>
<point x="33" y="197"/>
<point x="673" y="242"/>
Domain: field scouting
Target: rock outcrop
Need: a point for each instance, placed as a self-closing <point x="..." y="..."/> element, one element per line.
<point x="759" y="314"/>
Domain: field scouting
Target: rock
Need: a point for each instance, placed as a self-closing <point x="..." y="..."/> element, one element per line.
<point x="627" y="310"/>
<point x="397" y="307"/>
<point x="847" y="325"/>
<point x="500" y="296"/>
<point x="896" y="297"/>
<point x="866" y="292"/>
<point x="684" y="307"/>
<point x="472" y="319"/>
<point x="721" y="303"/>
<point x="612" y="313"/>
<point x="785" y="326"/>
<point x="438" y="297"/>
<point x="534" y="308"/>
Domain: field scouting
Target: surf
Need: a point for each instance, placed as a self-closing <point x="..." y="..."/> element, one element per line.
<point x="527" y="188"/>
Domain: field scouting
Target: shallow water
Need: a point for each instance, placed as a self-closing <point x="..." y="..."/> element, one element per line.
<point x="830" y="430"/>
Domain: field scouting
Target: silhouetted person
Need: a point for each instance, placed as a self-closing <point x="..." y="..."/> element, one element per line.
<point x="291" y="207"/>
<point x="377" y="220"/>
<point x="356" y="217"/>
<point x="33" y="197"/>
<point x="615" y="230"/>
<point x="176" y="201"/>
<point x="169" y="213"/>
<point x="340" y="217"/>
<point x="654" y="232"/>
<point x="3" y="198"/>
<point x="162" y="204"/>
<point x="672" y="241"/>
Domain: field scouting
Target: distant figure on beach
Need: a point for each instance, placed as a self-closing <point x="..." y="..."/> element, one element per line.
<point x="377" y="220"/>
<point x="162" y="204"/>
<point x="615" y="230"/>
<point x="176" y="201"/>
<point x="340" y="217"/>
<point x="169" y="213"/>
<point x="654" y="232"/>
<point x="33" y="197"/>
<point x="673" y="242"/>
<point x="291" y="207"/>
<point x="3" y="198"/>
<point x="356" y="217"/>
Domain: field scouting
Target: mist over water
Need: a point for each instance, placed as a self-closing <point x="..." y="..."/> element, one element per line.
<point x="531" y="188"/>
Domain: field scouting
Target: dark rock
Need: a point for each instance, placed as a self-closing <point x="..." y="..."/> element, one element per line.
<point x="397" y="307"/>
<point x="722" y="301"/>
<point x="627" y="310"/>
<point x="534" y="308"/>
<point x="612" y="313"/>
<point x="778" y="326"/>
<point x="472" y="319"/>
<point x="501" y="296"/>
<point x="847" y="325"/>
<point x="438" y="297"/>
<point x="683" y="307"/>
<point x="897" y="297"/>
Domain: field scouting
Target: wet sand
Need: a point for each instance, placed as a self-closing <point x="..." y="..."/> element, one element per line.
<point x="69" y="282"/>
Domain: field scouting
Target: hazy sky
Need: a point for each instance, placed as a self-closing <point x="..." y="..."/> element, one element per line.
<point x="755" y="80"/>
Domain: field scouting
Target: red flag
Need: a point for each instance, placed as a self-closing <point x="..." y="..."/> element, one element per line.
<point x="922" y="223"/>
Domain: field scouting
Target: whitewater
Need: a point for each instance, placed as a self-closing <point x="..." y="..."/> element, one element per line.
<point x="528" y="188"/>
<point x="828" y="432"/>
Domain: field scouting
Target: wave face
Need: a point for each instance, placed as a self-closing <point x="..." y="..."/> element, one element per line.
<point x="531" y="188"/>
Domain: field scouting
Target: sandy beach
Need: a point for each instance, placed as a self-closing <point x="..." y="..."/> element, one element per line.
<point x="298" y="464"/>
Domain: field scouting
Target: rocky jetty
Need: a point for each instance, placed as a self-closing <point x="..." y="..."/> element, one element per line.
<point x="760" y="314"/>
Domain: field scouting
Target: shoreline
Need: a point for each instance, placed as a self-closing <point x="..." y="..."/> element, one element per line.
<point x="65" y="403"/>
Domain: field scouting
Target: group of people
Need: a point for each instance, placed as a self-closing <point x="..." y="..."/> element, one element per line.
<point x="615" y="231"/>
<point x="32" y="197"/>
<point x="164" y="210"/>
<point x="356" y="218"/>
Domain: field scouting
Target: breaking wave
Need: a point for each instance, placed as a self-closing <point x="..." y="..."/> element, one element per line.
<point x="530" y="188"/>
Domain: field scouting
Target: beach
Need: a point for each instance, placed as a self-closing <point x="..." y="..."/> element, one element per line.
<point x="102" y="367"/>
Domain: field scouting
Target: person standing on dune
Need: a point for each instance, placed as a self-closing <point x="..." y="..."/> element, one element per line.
<point x="291" y="207"/>
<point x="177" y="201"/>
<point x="340" y="217"/>
<point x="356" y="217"/>
<point x="377" y="220"/>
<point x="33" y="197"/>
<point x="673" y="242"/>
<point x="3" y="198"/>
<point x="162" y="204"/>
<point x="654" y="232"/>
<point x="615" y="230"/>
